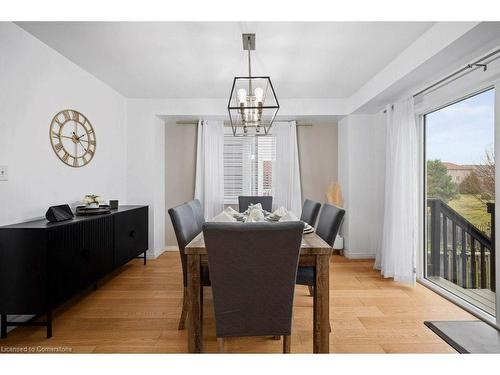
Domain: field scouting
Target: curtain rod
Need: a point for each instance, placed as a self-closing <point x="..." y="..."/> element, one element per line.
<point x="226" y="123"/>
<point x="472" y="66"/>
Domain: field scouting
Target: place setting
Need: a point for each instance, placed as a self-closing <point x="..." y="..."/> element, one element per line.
<point x="255" y="213"/>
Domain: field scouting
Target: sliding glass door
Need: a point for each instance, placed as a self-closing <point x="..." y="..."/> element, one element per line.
<point x="460" y="199"/>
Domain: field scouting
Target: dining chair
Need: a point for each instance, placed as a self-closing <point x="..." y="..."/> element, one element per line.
<point x="246" y="200"/>
<point x="253" y="268"/>
<point x="328" y="227"/>
<point x="186" y="228"/>
<point x="310" y="212"/>
<point x="198" y="212"/>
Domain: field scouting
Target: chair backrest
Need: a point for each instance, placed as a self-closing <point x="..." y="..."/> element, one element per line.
<point x="198" y="212"/>
<point x="186" y="228"/>
<point x="310" y="212"/>
<point x="253" y="267"/>
<point x="246" y="200"/>
<point x="329" y="222"/>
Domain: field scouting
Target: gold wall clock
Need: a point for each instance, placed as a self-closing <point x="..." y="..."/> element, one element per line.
<point x="73" y="138"/>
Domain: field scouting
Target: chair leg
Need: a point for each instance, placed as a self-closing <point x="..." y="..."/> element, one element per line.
<point x="286" y="344"/>
<point x="182" y="321"/>
<point x="311" y="290"/>
<point x="220" y="344"/>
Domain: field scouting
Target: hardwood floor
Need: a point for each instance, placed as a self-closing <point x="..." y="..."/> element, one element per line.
<point x="137" y="310"/>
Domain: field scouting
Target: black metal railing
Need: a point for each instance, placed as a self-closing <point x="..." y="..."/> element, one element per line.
<point x="457" y="250"/>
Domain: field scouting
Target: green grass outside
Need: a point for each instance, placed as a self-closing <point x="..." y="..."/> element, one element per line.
<point x="473" y="210"/>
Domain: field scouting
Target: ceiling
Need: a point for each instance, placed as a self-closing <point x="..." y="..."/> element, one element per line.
<point x="200" y="59"/>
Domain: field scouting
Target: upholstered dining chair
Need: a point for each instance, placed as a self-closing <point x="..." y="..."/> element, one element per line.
<point x="253" y="268"/>
<point x="245" y="200"/>
<point x="328" y="226"/>
<point x="198" y="211"/>
<point x="310" y="212"/>
<point x="186" y="228"/>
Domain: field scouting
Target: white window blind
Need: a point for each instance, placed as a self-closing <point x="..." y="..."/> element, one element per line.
<point x="248" y="165"/>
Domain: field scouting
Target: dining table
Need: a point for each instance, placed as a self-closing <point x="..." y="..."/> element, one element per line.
<point x="314" y="252"/>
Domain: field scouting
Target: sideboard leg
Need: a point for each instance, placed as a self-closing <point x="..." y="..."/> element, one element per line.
<point x="4" y="326"/>
<point x="49" y="324"/>
<point x="144" y="258"/>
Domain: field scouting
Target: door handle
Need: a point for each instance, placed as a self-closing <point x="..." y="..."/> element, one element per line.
<point x="132" y="233"/>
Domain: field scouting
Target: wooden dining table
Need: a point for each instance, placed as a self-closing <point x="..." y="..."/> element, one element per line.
<point x="314" y="252"/>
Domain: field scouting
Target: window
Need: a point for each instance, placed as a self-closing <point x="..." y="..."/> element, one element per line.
<point x="460" y="195"/>
<point x="248" y="165"/>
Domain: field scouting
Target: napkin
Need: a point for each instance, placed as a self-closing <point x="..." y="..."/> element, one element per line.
<point x="281" y="211"/>
<point x="231" y="211"/>
<point x="289" y="216"/>
<point x="223" y="217"/>
<point x="255" y="215"/>
<point x="256" y="206"/>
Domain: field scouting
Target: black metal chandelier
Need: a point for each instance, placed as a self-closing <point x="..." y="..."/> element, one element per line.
<point x="253" y="104"/>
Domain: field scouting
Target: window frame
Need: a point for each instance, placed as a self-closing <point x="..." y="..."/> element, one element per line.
<point x="465" y="93"/>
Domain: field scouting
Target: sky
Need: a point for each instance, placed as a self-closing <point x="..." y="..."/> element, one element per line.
<point x="460" y="133"/>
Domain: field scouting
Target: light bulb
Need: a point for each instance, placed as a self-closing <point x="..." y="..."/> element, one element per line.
<point x="242" y="95"/>
<point x="259" y="94"/>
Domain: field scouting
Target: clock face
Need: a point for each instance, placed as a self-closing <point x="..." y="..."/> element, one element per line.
<point x="73" y="138"/>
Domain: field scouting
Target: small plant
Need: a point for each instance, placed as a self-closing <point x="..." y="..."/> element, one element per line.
<point x="92" y="200"/>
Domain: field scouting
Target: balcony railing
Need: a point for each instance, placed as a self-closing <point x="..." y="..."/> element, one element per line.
<point x="457" y="250"/>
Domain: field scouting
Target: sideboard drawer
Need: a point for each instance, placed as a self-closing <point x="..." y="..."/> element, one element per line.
<point x="131" y="235"/>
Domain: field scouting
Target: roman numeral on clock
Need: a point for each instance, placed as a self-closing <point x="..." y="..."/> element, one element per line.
<point x="66" y="116"/>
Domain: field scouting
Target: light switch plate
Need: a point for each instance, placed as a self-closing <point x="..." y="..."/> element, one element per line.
<point x="4" y="173"/>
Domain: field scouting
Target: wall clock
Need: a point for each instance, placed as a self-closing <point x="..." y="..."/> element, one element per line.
<point x="73" y="138"/>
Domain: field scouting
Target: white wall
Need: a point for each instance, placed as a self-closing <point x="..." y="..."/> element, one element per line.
<point x="318" y="152"/>
<point x="145" y="166"/>
<point x="36" y="82"/>
<point x="361" y="177"/>
<point x="180" y="169"/>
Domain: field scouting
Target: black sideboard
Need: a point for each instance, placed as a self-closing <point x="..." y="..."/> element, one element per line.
<point x="43" y="264"/>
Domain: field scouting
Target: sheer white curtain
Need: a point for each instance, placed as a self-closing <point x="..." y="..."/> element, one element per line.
<point x="397" y="256"/>
<point x="286" y="172"/>
<point x="209" y="186"/>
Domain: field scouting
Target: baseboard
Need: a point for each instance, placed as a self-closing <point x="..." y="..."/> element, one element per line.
<point x="350" y="255"/>
<point x="159" y="252"/>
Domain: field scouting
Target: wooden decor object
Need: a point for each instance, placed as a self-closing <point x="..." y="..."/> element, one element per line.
<point x="334" y="195"/>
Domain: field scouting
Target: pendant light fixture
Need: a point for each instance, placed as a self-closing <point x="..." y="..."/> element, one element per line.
<point x="253" y="104"/>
